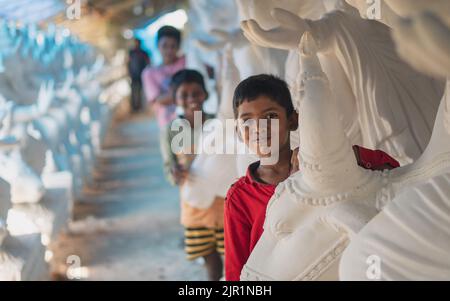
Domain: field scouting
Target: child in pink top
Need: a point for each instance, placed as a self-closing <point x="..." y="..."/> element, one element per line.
<point x="156" y="80"/>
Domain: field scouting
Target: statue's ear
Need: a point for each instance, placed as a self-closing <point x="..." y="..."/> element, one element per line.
<point x="293" y="121"/>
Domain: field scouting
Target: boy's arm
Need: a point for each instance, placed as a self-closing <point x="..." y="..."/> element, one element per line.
<point x="169" y="158"/>
<point x="237" y="239"/>
<point x="151" y="87"/>
<point x="166" y="98"/>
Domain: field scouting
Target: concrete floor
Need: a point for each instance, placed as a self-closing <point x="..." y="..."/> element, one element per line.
<point x="126" y="224"/>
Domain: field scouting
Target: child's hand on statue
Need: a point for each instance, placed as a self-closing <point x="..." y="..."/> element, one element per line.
<point x="180" y="174"/>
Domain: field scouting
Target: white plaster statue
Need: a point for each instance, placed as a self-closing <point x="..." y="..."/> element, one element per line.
<point x="18" y="67"/>
<point x="5" y="204"/>
<point x="8" y="88"/>
<point x="204" y="167"/>
<point x="410" y="238"/>
<point x="6" y="144"/>
<point x="260" y="10"/>
<point x="431" y="28"/>
<point x="407" y="8"/>
<point x="215" y="14"/>
<point x="393" y="13"/>
<point x="26" y="185"/>
<point x="375" y="10"/>
<point x="310" y="9"/>
<point x="45" y="117"/>
<point x="351" y="49"/>
<point x="9" y="265"/>
<point x="19" y="185"/>
<point x="398" y="231"/>
<point x="250" y="58"/>
<point x="230" y="79"/>
<point x="313" y="214"/>
<point x="76" y="94"/>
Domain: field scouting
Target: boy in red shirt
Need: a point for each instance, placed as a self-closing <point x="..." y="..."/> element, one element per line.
<point x="257" y="98"/>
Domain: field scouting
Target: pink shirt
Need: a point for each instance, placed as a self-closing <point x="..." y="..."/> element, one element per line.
<point x="156" y="81"/>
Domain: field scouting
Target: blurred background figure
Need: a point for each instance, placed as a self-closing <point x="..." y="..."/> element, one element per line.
<point x="137" y="62"/>
<point x="157" y="79"/>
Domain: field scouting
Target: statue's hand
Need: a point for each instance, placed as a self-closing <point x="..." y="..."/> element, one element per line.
<point x="235" y="38"/>
<point x="286" y="36"/>
<point x="210" y="46"/>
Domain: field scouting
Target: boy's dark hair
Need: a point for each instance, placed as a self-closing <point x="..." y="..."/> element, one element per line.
<point x="187" y="76"/>
<point x="169" y="31"/>
<point x="263" y="84"/>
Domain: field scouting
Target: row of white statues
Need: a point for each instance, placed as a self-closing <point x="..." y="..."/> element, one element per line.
<point x="378" y="83"/>
<point x="49" y="111"/>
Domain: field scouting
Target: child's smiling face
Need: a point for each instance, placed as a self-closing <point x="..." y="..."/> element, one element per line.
<point x="190" y="96"/>
<point x="251" y="113"/>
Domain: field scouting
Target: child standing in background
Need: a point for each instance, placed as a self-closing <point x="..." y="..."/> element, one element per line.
<point x="156" y="80"/>
<point x="138" y="60"/>
<point x="203" y="227"/>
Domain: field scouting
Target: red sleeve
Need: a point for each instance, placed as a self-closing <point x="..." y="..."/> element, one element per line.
<point x="237" y="237"/>
<point x="374" y="159"/>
